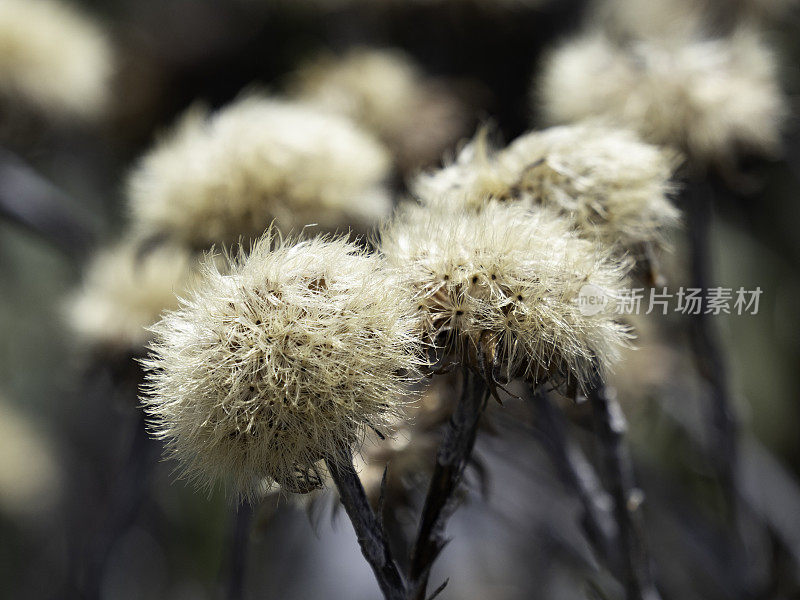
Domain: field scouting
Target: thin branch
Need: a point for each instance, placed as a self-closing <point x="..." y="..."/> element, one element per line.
<point x="37" y="205"/>
<point x="451" y="460"/>
<point x="371" y="537"/>
<point x="610" y="428"/>
<point x="577" y="473"/>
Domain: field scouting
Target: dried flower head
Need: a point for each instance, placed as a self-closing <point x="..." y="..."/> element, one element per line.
<point x="125" y="289"/>
<point x="53" y="57"/>
<point x="218" y="177"/>
<point x="610" y="185"/>
<point x="385" y="91"/>
<point x="283" y="362"/>
<point x="710" y="98"/>
<point x="503" y="285"/>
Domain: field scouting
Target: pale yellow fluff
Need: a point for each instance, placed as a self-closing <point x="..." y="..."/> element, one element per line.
<point x="384" y="90"/>
<point x="284" y="361"/>
<point x="125" y="289"/>
<point x="710" y="98"/>
<point x="218" y="177"/>
<point x="53" y="57"/>
<point x="505" y="281"/>
<point x="610" y="185"/>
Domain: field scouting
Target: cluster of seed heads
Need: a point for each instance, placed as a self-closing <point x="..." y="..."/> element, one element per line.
<point x="285" y="358"/>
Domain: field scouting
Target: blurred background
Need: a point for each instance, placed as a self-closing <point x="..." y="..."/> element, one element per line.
<point x="87" y="510"/>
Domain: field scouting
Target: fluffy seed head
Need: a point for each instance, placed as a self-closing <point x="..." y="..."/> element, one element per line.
<point x="506" y="280"/>
<point x="385" y="91"/>
<point x="53" y="57"/>
<point x="124" y="291"/>
<point x="610" y="185"/>
<point x="284" y="361"/>
<point x="218" y="177"/>
<point x="710" y="98"/>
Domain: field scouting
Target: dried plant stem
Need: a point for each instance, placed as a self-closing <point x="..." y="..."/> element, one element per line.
<point x="578" y="473"/>
<point x="451" y="460"/>
<point x="368" y="527"/>
<point x="610" y="428"/>
<point x="709" y="357"/>
<point x="37" y="205"/>
<point x="240" y="543"/>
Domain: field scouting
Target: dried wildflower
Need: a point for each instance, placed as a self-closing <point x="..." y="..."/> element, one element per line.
<point x="125" y="289"/>
<point x="53" y="57"/>
<point x="385" y="91"/>
<point x="710" y="98"/>
<point x="503" y="285"/>
<point x="218" y="177"/>
<point x="285" y="361"/>
<point x="610" y="185"/>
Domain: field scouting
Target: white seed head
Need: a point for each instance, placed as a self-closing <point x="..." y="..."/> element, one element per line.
<point x="385" y="91"/>
<point x="124" y="291"/>
<point x="218" y="177"/>
<point x="612" y="187"/>
<point x="285" y="361"/>
<point x="506" y="280"/>
<point x="710" y="98"/>
<point x="53" y="57"/>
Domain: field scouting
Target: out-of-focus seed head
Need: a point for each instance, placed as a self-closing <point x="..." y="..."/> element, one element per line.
<point x="280" y="363"/>
<point x="505" y="282"/>
<point x="125" y="289"/>
<point x="713" y="98"/>
<point x="218" y="177"/>
<point x="385" y="91"/>
<point x="53" y="58"/>
<point x="30" y="481"/>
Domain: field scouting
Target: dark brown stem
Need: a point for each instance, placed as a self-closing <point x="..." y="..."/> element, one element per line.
<point x="37" y="205"/>
<point x="610" y="428"/>
<point x="451" y="460"/>
<point x="577" y="473"/>
<point x="371" y="537"/>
